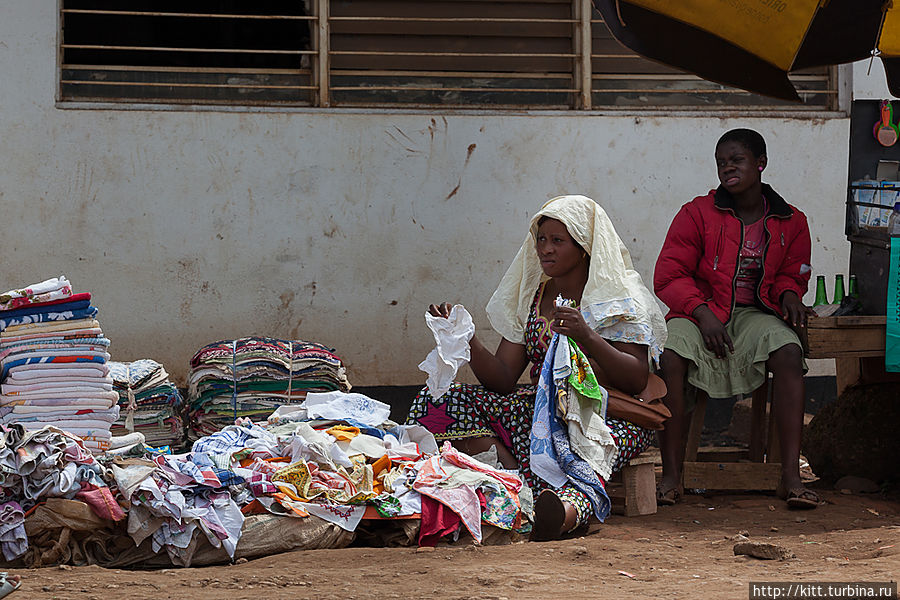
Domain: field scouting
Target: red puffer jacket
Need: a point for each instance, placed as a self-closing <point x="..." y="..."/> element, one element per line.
<point x="698" y="262"/>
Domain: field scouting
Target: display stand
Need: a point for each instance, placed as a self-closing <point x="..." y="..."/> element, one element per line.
<point x="870" y="198"/>
<point x="857" y="342"/>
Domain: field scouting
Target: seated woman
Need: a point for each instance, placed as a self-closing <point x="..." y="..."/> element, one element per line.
<point x="732" y="271"/>
<point x="571" y="250"/>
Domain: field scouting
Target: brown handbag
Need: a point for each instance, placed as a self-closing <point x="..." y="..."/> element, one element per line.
<point x="645" y="410"/>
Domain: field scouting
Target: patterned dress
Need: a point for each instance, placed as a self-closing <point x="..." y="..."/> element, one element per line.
<point x="471" y="411"/>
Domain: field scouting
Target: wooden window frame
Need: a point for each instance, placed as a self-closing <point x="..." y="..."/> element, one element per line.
<point x="581" y="88"/>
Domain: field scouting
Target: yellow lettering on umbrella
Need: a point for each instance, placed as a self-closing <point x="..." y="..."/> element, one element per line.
<point x="770" y="29"/>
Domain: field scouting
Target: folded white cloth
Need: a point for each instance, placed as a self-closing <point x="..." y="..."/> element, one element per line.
<point x="25" y="389"/>
<point x="121" y="441"/>
<point x="36" y="371"/>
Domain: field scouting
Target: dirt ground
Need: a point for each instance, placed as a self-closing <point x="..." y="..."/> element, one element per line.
<point x="683" y="551"/>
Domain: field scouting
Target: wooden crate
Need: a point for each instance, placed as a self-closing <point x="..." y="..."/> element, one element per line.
<point x="852" y="336"/>
<point x="632" y="491"/>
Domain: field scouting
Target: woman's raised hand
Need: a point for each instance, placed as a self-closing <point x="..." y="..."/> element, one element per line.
<point x="440" y="310"/>
<point x="569" y="322"/>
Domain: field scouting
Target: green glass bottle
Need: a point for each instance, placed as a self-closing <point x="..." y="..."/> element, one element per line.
<point x="853" y="290"/>
<point x="838" y="289"/>
<point x="821" y="294"/>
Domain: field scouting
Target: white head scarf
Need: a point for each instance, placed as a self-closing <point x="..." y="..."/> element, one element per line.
<point x="615" y="302"/>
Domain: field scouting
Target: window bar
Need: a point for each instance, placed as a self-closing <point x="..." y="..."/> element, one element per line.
<point x="61" y="28"/>
<point x="455" y="19"/>
<point x="583" y="39"/>
<point x="174" y="84"/>
<point x="141" y="13"/>
<point x="180" y="49"/>
<point x="443" y="88"/>
<point x="463" y="54"/>
<point x="323" y="45"/>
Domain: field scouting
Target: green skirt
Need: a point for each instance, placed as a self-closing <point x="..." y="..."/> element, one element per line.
<point x="755" y="335"/>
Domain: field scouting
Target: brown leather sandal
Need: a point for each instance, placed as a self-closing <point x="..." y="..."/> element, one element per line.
<point x="801" y="497"/>
<point x="549" y="517"/>
<point x="668" y="497"/>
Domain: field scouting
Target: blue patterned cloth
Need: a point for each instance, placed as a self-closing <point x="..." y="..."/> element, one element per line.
<point x="49" y="313"/>
<point x="551" y="457"/>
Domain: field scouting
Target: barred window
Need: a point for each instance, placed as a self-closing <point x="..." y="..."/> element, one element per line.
<point x="539" y="54"/>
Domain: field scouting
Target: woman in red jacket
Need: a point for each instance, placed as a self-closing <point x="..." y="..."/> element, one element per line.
<point x="733" y="270"/>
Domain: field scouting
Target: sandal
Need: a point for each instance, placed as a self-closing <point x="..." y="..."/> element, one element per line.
<point x="8" y="584"/>
<point x="549" y="517"/>
<point x="801" y="497"/>
<point x="668" y="497"/>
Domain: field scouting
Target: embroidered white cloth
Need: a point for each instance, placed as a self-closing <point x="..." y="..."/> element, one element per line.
<point x="342" y="405"/>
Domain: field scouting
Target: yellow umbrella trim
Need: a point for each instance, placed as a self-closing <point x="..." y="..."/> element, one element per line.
<point x="770" y="29"/>
<point x="889" y="43"/>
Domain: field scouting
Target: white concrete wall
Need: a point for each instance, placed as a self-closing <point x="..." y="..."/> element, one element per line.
<point x="869" y="81"/>
<point x="337" y="227"/>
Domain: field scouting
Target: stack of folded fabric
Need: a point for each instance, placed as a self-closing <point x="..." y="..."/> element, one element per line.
<point x="53" y="368"/>
<point x="149" y="403"/>
<point x="250" y="377"/>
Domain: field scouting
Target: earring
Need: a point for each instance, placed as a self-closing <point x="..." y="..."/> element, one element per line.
<point x="760" y="169"/>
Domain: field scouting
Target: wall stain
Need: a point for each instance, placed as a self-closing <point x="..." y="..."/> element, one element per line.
<point x="331" y="230"/>
<point x="469" y="151"/>
<point x="434" y="128"/>
<point x="286" y="299"/>
<point x="401" y="143"/>
<point x="400" y="131"/>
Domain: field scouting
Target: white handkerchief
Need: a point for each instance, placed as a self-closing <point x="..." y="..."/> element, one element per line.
<point x="451" y="336"/>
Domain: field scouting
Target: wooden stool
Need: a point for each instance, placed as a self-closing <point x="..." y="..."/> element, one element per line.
<point x="633" y="489"/>
<point x="757" y="468"/>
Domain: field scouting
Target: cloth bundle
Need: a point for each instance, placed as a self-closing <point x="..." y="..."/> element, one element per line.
<point x="149" y="403"/>
<point x="46" y="463"/>
<point x="57" y="288"/>
<point x="53" y="363"/>
<point x="252" y="376"/>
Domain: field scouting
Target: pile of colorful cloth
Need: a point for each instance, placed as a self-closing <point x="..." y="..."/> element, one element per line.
<point x="303" y="462"/>
<point x="252" y="376"/>
<point x="148" y="403"/>
<point x="333" y="460"/>
<point x="53" y="363"/>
